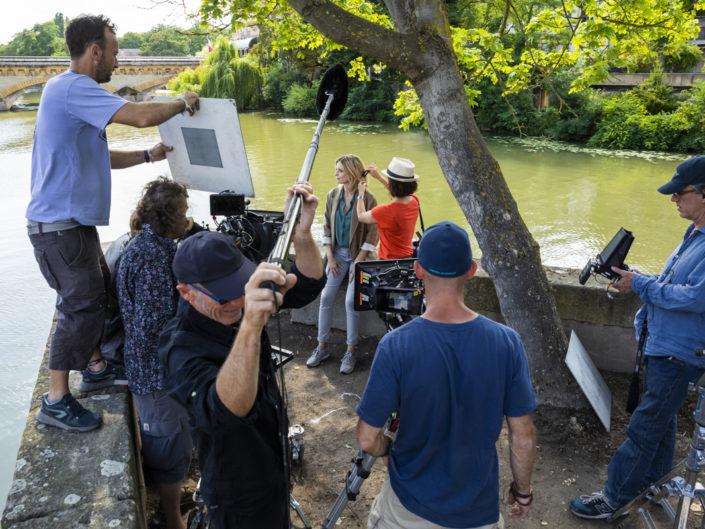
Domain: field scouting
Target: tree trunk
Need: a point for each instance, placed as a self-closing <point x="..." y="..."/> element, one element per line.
<point x="510" y="255"/>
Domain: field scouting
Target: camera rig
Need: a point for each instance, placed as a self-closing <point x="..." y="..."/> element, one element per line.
<point x="254" y="231"/>
<point x="391" y="288"/>
<point x="613" y="255"/>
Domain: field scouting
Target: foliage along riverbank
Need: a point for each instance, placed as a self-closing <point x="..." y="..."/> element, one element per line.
<point x="651" y="117"/>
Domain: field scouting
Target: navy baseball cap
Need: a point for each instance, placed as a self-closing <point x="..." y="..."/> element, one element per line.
<point x="445" y="251"/>
<point x="690" y="172"/>
<point x="211" y="259"/>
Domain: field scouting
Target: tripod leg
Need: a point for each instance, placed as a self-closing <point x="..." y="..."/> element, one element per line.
<point x="362" y="463"/>
<point x="295" y="505"/>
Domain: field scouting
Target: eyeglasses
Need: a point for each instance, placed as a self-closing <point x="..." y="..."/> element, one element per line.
<point x="684" y="192"/>
<point x="219" y="300"/>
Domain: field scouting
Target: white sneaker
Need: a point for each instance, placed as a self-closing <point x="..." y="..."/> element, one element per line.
<point x="348" y="363"/>
<point x="318" y="355"/>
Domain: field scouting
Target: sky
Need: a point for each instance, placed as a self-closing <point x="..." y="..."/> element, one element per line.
<point x="128" y="15"/>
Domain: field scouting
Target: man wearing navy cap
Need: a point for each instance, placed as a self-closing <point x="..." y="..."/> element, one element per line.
<point x="673" y="315"/>
<point x="453" y="375"/>
<point x="218" y="365"/>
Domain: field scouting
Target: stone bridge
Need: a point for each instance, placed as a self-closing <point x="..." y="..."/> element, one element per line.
<point x="134" y="78"/>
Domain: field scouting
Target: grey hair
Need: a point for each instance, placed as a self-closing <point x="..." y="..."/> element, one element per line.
<point x="699" y="188"/>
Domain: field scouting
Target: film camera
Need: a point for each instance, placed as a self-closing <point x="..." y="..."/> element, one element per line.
<point x="613" y="255"/>
<point x="389" y="287"/>
<point x="254" y="231"/>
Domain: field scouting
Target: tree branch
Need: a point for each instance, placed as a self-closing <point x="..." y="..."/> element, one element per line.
<point x="398" y="50"/>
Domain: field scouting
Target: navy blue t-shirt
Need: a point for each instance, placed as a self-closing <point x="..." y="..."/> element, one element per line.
<point x="452" y="384"/>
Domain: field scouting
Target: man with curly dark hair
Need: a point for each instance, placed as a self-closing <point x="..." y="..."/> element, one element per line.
<point x="70" y="196"/>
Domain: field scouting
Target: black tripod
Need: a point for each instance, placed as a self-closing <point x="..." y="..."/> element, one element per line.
<point x="671" y="484"/>
<point x="360" y="470"/>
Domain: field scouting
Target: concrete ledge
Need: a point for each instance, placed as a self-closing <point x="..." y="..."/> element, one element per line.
<point x="78" y="480"/>
<point x="604" y="325"/>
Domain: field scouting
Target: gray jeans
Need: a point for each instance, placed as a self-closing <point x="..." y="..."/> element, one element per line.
<point x="73" y="265"/>
<point x="325" y="311"/>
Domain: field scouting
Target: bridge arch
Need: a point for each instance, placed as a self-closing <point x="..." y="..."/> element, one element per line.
<point x="135" y="76"/>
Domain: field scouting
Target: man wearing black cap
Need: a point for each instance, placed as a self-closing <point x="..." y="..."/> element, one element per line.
<point x="218" y="364"/>
<point x="674" y="315"/>
<point x="453" y="375"/>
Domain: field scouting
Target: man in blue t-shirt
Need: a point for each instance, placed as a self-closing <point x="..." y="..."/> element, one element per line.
<point x="70" y="196"/>
<point x="453" y="376"/>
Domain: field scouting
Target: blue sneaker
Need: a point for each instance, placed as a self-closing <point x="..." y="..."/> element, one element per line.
<point x="592" y="506"/>
<point x="68" y="414"/>
<point x="111" y="375"/>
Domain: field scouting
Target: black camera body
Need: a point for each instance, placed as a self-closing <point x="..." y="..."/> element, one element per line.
<point x="613" y="255"/>
<point x="254" y="231"/>
<point x="388" y="287"/>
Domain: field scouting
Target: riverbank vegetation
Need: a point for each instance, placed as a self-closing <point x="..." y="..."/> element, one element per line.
<point x="514" y="90"/>
<point x="515" y="82"/>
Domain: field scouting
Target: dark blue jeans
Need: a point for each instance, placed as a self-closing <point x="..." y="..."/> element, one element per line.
<point x="647" y="453"/>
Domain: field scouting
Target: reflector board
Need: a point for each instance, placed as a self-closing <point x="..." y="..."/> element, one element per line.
<point x="209" y="152"/>
<point x="589" y="380"/>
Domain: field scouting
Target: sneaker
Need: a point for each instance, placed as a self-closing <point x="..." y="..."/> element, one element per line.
<point x="348" y="363"/>
<point x="592" y="506"/>
<point x="318" y="355"/>
<point x="68" y="414"/>
<point x="111" y="375"/>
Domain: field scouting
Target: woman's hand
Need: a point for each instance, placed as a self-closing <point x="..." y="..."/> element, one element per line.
<point x="361" y="188"/>
<point x="372" y="168"/>
<point x="333" y="266"/>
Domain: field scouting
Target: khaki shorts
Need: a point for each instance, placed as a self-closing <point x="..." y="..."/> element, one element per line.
<point x="387" y="512"/>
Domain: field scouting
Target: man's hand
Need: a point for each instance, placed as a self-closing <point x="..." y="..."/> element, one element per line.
<point x="624" y="283"/>
<point x="520" y="506"/>
<point x="192" y="100"/>
<point x="309" y="205"/>
<point x="259" y="301"/>
<point x="158" y="152"/>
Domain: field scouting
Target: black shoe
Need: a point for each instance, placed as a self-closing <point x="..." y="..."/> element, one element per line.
<point x="68" y="414"/>
<point x="111" y="375"/>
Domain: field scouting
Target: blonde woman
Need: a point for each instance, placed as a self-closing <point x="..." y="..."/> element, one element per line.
<point x="346" y="241"/>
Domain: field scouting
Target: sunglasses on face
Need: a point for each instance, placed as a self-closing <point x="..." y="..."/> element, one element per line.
<point x="219" y="300"/>
<point x="684" y="192"/>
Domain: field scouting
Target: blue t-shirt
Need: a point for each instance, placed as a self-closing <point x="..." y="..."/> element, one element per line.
<point x="70" y="158"/>
<point x="452" y="385"/>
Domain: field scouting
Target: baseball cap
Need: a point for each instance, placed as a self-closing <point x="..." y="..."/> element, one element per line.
<point x="690" y="172"/>
<point x="445" y="250"/>
<point x="212" y="259"/>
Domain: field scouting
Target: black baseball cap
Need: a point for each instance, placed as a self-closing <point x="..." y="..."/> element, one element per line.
<point x="690" y="172"/>
<point x="212" y="259"/>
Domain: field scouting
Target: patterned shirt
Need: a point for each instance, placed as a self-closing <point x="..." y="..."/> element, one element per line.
<point x="148" y="297"/>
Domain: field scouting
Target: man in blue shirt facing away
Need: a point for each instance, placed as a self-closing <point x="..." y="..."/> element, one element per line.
<point x="70" y="196"/>
<point x="674" y="316"/>
<point x="453" y="376"/>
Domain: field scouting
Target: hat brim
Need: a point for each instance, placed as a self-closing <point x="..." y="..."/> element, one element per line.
<point x="671" y="187"/>
<point x="232" y="286"/>
<point x="409" y="179"/>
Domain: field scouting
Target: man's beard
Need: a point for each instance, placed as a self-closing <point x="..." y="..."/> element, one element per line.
<point x="103" y="74"/>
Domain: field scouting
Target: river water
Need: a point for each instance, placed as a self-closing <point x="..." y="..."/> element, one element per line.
<point x="573" y="200"/>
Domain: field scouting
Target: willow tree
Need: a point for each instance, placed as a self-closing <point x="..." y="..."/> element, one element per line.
<point x="441" y="63"/>
<point x="223" y="74"/>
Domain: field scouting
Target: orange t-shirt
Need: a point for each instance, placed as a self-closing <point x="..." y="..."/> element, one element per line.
<point x="396" y="223"/>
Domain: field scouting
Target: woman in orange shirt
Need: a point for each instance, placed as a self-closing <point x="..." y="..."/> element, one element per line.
<point x="395" y="221"/>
